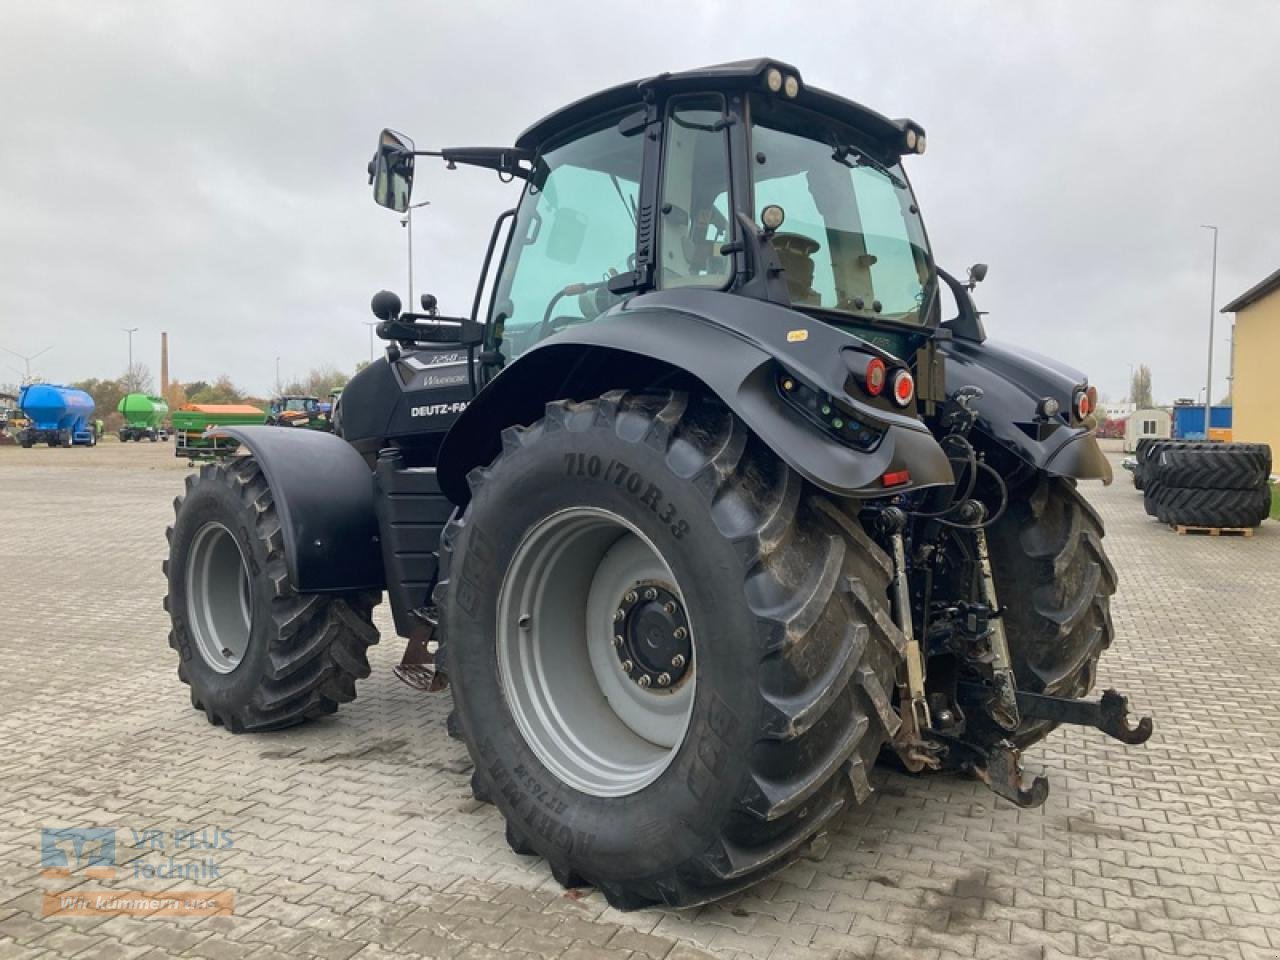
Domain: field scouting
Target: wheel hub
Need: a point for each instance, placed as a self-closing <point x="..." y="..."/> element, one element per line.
<point x="651" y="637"/>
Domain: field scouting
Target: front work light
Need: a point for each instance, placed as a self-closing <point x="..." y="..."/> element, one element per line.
<point x="773" y="80"/>
<point x="791" y="87"/>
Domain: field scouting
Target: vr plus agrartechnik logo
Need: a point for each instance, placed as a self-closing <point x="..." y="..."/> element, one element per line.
<point x="91" y="850"/>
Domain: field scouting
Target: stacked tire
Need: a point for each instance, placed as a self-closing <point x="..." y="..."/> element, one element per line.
<point x="1149" y="466"/>
<point x="1208" y="484"/>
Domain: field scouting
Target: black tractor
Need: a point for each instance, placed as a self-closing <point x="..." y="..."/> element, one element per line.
<point x="718" y="497"/>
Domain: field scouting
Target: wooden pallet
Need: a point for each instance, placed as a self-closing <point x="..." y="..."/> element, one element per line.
<point x="1183" y="528"/>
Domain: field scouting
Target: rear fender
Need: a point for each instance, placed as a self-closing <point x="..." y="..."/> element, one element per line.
<point x="323" y="493"/>
<point x="677" y="340"/>
<point x="1013" y="382"/>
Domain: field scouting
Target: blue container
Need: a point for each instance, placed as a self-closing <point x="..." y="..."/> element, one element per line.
<point x="54" y="409"/>
<point x="1188" y="421"/>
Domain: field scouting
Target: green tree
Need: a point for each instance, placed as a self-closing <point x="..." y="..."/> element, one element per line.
<point x="106" y="395"/>
<point x="1140" y="387"/>
<point x="221" y="390"/>
<point x="319" y="382"/>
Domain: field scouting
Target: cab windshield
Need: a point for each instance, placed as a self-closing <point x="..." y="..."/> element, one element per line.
<point x="851" y="240"/>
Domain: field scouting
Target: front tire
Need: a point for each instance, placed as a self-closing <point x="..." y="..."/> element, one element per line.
<point x="1054" y="582"/>
<point x="257" y="654"/>
<point x="791" y="663"/>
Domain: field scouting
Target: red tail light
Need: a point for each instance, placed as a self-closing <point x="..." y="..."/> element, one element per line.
<point x="895" y="479"/>
<point x="904" y="388"/>
<point x="1083" y="406"/>
<point x="876" y="375"/>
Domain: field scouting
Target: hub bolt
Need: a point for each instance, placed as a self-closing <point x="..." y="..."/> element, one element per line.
<point x="644" y="680"/>
<point x="680" y="633"/>
<point x="651" y="594"/>
<point x="630" y="597"/>
<point x="664" y="679"/>
<point x="627" y="666"/>
<point x="677" y="661"/>
<point x="620" y="615"/>
<point x="617" y="640"/>
<point x="669" y="606"/>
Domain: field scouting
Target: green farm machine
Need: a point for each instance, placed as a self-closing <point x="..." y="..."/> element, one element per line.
<point x="144" y="417"/>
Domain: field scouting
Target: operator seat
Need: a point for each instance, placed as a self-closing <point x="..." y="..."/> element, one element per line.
<point x="795" y="252"/>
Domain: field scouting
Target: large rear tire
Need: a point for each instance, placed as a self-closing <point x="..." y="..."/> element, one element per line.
<point x="1192" y="506"/>
<point x="786" y="679"/>
<point x="1054" y="583"/>
<point x="257" y="654"/>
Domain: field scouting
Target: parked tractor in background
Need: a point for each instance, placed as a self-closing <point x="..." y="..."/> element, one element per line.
<point x="298" y="411"/>
<point x="144" y="416"/>
<point x="708" y="502"/>
<point x="192" y="422"/>
<point x="11" y="419"/>
<point x="57" y="415"/>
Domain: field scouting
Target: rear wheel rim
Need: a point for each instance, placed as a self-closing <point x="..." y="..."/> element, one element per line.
<point x="575" y="636"/>
<point x="219" y="609"/>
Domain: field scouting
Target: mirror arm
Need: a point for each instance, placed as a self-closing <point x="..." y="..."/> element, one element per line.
<point x="462" y="331"/>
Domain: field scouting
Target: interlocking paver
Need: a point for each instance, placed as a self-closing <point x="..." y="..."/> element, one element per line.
<point x="357" y="837"/>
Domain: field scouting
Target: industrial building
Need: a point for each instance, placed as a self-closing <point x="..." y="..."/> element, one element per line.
<point x="1255" y="388"/>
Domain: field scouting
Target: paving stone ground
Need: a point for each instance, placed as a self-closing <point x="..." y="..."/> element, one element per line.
<point x="358" y="837"/>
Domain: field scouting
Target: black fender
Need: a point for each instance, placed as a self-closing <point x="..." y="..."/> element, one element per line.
<point x="732" y="346"/>
<point x="323" y="492"/>
<point x="1013" y="382"/>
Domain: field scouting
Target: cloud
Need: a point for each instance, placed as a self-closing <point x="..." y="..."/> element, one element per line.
<point x="199" y="168"/>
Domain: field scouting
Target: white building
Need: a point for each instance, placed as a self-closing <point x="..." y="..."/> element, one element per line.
<point x="1152" y="422"/>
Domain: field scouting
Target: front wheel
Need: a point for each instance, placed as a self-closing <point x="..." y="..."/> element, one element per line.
<point x="671" y="658"/>
<point x="1054" y="582"/>
<point x="257" y="654"/>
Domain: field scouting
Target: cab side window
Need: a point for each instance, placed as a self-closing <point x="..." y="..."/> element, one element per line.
<point x="695" y="196"/>
<point x="575" y="229"/>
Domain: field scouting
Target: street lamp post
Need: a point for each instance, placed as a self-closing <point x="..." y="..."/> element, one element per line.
<point x="373" y="323"/>
<point x="407" y="221"/>
<point x="130" y="331"/>
<point x="1213" y="296"/>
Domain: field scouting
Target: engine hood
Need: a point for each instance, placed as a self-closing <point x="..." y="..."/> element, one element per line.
<point x="1013" y="382"/>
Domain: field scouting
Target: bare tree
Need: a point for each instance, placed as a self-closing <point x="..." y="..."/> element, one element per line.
<point x="1140" y="387"/>
<point x="137" y="379"/>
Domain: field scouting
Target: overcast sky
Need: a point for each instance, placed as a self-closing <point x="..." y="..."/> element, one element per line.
<point x="199" y="167"/>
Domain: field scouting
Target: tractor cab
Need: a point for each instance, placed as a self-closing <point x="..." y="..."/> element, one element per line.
<point x="737" y="179"/>
<point x="295" y="404"/>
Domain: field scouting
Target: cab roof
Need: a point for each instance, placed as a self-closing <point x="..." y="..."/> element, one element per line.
<point x="737" y="75"/>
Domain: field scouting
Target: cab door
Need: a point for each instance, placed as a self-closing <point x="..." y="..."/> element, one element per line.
<point x="574" y="231"/>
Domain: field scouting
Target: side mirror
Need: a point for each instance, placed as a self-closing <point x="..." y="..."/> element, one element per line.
<point x="977" y="273"/>
<point x="391" y="171"/>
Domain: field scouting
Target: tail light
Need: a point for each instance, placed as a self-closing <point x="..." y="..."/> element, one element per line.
<point x="1082" y="404"/>
<point x="903" y="389"/>
<point x="868" y="372"/>
<point x="875" y="377"/>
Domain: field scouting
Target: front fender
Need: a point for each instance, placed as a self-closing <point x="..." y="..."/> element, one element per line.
<point x="1013" y="381"/>
<point x="676" y="337"/>
<point x="323" y="493"/>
